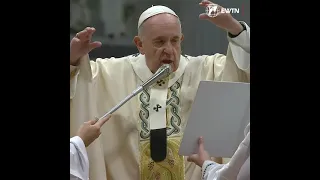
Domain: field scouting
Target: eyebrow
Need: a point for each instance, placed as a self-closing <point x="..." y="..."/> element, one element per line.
<point x="163" y="37"/>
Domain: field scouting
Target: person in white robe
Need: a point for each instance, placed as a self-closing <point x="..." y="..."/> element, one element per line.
<point x="122" y="152"/>
<point x="238" y="168"/>
<point x="87" y="133"/>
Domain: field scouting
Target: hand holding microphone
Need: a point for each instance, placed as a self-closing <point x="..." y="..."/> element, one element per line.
<point x="90" y="130"/>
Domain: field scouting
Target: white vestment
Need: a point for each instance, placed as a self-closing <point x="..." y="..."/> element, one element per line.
<point x="79" y="164"/>
<point x="231" y="170"/>
<point x="122" y="152"/>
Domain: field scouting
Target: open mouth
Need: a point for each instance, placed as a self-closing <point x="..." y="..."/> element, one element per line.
<point x="166" y="61"/>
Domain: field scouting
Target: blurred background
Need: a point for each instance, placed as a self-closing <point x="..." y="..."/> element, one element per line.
<point x="116" y="24"/>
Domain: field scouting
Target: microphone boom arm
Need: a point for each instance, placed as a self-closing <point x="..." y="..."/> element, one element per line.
<point x="134" y="93"/>
<point x="162" y="73"/>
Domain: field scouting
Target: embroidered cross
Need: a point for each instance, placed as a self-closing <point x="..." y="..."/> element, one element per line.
<point x="157" y="107"/>
<point x="151" y="165"/>
<point x="171" y="162"/>
<point x="160" y="82"/>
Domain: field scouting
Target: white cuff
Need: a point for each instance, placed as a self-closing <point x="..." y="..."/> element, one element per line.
<point x="206" y="165"/>
<point x="85" y="68"/>
<point x="78" y="141"/>
<point x="79" y="163"/>
<point x="240" y="48"/>
<point x="243" y="39"/>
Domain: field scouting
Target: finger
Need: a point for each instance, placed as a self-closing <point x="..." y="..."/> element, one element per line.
<point x="82" y="34"/>
<point x="204" y="3"/>
<point x="101" y="122"/>
<point x="90" y="31"/>
<point x="85" y="34"/>
<point x="204" y="16"/>
<point x="94" y="45"/>
<point x="95" y="120"/>
<point x="201" y="145"/>
<point x="92" y="122"/>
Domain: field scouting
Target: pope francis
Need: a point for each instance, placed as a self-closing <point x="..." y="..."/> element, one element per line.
<point x="124" y="149"/>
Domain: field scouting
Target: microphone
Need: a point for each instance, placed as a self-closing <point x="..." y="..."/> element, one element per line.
<point x="163" y="72"/>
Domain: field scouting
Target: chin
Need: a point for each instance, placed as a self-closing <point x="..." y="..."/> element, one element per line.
<point x="174" y="67"/>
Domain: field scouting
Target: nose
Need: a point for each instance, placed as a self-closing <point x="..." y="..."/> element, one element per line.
<point x="168" y="48"/>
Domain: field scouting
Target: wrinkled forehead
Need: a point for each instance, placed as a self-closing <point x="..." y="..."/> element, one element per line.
<point x="163" y="24"/>
<point x="162" y="19"/>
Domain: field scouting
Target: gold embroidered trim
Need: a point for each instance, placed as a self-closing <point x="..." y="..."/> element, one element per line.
<point x="172" y="168"/>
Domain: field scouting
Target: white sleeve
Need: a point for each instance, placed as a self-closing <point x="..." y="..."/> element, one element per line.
<point x="240" y="48"/>
<point x="86" y="73"/>
<point x="210" y="171"/>
<point x="72" y="177"/>
<point x="229" y="171"/>
<point x="79" y="163"/>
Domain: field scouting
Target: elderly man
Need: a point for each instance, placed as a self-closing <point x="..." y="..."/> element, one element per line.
<point x="126" y="149"/>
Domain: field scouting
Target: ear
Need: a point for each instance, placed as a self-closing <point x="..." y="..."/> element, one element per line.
<point x="137" y="41"/>
<point x="182" y="38"/>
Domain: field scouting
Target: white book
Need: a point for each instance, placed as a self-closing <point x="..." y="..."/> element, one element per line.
<point x="220" y="113"/>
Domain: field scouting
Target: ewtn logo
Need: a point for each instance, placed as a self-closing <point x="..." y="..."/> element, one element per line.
<point x="214" y="10"/>
<point x="232" y="10"/>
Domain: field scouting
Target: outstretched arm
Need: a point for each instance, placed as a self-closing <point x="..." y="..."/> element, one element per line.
<point x="80" y="46"/>
<point x="235" y="65"/>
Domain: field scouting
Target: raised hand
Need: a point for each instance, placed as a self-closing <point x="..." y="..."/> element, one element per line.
<point x="81" y="45"/>
<point x="90" y="130"/>
<point x="222" y="19"/>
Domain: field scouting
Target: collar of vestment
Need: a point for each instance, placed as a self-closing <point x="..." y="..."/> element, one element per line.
<point x="143" y="72"/>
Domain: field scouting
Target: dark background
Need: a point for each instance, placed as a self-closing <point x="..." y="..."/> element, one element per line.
<point x="201" y="37"/>
<point x="35" y="89"/>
